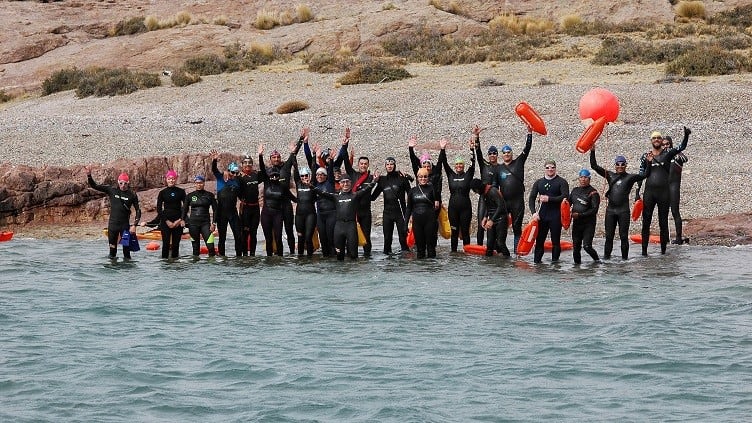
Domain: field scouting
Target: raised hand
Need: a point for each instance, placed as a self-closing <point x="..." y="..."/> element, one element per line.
<point x="413" y="141"/>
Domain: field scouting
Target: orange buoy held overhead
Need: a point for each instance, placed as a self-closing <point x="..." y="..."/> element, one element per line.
<point x="531" y="118"/>
<point x="597" y="103"/>
<point x="590" y="136"/>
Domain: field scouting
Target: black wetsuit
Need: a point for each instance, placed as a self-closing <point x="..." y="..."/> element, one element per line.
<point x="674" y="187"/>
<point x="285" y="176"/>
<point x="512" y="185"/>
<point x="420" y="207"/>
<point x="489" y="174"/>
<point x="549" y="213"/>
<point x="326" y="208"/>
<point x="250" y="211"/>
<point x="496" y="211"/>
<point x="585" y="202"/>
<point x="358" y="179"/>
<point x="276" y="197"/>
<point x="200" y="220"/>
<point x="305" y="216"/>
<point x="120" y="214"/>
<point x="617" y="212"/>
<point x="227" y="211"/>
<point x="170" y="203"/>
<point x="345" y="228"/>
<point x="436" y="182"/>
<point x="657" y="192"/>
<point x="460" y="208"/>
<point x="395" y="186"/>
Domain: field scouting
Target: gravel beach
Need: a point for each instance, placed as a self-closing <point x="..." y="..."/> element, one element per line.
<point x="235" y="112"/>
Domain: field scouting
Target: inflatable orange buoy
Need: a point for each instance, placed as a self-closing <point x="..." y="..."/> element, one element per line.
<point x="653" y="239"/>
<point x="637" y="210"/>
<point x="152" y="246"/>
<point x="361" y="236"/>
<point x="597" y="103"/>
<point x="590" y="136"/>
<point x="410" y="238"/>
<point x="530" y="117"/>
<point x="203" y="250"/>
<point x="445" y="229"/>
<point x="475" y="249"/>
<point x="566" y="214"/>
<point x="527" y="239"/>
<point x="565" y="245"/>
<point x="6" y="236"/>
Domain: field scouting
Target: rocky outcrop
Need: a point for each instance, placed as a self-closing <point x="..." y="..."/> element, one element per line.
<point x="62" y="195"/>
<point x="728" y="230"/>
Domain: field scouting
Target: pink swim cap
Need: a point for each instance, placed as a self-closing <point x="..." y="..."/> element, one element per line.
<point x="425" y="158"/>
<point x="171" y="174"/>
<point x="123" y="177"/>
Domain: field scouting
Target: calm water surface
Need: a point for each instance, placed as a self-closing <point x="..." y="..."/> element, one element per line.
<point x="459" y="338"/>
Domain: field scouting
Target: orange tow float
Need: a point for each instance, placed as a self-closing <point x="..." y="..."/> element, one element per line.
<point x="527" y="239"/>
<point x="590" y="136"/>
<point x="531" y="118"/>
<point x="637" y="210"/>
<point x="566" y="214"/>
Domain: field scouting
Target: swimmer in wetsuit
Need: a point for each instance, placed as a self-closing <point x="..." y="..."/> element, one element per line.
<point x="170" y="201"/>
<point x="585" y="201"/>
<point x="460" y="209"/>
<point x="421" y="209"/>
<point x="198" y="203"/>
<point x="674" y="188"/>
<point x="550" y="190"/>
<point x="394" y="185"/>
<point x="494" y="221"/>
<point x="122" y="199"/>
<point x="657" y="187"/>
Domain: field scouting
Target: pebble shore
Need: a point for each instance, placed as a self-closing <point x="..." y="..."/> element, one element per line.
<point x="235" y="112"/>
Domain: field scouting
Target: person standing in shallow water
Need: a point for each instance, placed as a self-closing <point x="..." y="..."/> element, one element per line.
<point x="198" y="203"/>
<point x="170" y="201"/>
<point x="421" y="210"/>
<point x="620" y="184"/>
<point x="550" y="191"/>
<point x="674" y="189"/>
<point x="585" y="201"/>
<point x="460" y="209"/>
<point x="122" y="199"/>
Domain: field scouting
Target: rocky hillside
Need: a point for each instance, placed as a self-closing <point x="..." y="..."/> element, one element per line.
<point x="39" y="37"/>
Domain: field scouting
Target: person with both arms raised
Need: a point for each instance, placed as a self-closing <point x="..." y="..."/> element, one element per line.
<point x="395" y="185"/>
<point x="276" y="195"/>
<point x="585" y="201"/>
<point x="657" y="188"/>
<point x="494" y="221"/>
<point x="198" y="203"/>
<point x="620" y="184"/>
<point x="228" y="189"/>
<point x="345" y="228"/>
<point x="122" y="199"/>
<point x="326" y="208"/>
<point x="434" y="178"/>
<point x="550" y="190"/>
<point x="489" y="174"/>
<point x="359" y="178"/>
<point x="512" y="185"/>
<point x="285" y="176"/>
<point x="460" y="209"/>
<point x="250" y="211"/>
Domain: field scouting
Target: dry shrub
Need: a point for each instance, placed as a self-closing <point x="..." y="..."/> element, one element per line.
<point x="152" y="23"/>
<point x="709" y="60"/>
<point x="694" y="9"/>
<point x="569" y="22"/>
<point x="618" y="50"/>
<point x="304" y="13"/>
<point x="374" y="71"/>
<point x="490" y="82"/>
<point x="183" y="18"/>
<point x="266" y="19"/>
<point x="220" y="20"/>
<point x="4" y="98"/>
<point x="128" y="27"/>
<point x="62" y="80"/>
<point x="287" y="17"/>
<point x="102" y="82"/>
<point x="323" y="62"/>
<point x="388" y="6"/>
<point x="207" y="64"/>
<point x="739" y="17"/>
<point x="512" y="24"/>
<point x="182" y="78"/>
<point x="292" y="107"/>
<point x="239" y="57"/>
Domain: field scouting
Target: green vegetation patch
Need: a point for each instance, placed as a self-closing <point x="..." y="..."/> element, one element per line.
<point x="709" y="60"/>
<point x="374" y="71"/>
<point x="99" y="82"/>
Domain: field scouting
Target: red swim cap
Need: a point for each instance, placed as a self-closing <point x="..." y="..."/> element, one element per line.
<point x="123" y="177"/>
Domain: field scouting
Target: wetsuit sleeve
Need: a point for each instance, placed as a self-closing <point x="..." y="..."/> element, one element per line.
<point x="684" y="142"/>
<point x="323" y="193"/>
<point x="409" y="206"/>
<point x="414" y="160"/>
<point x="340" y="156"/>
<point x="263" y="176"/>
<point x="215" y="170"/>
<point x="350" y="171"/>
<point x="96" y="186"/>
<point x="377" y="190"/>
<point x="186" y="205"/>
<point x="528" y="146"/>
<point x="308" y="156"/>
<point x="137" y="208"/>
<point x="680" y="159"/>
<point x="594" y="165"/>
<point x="564" y="187"/>
<point x="501" y="209"/>
<point x="214" y="207"/>
<point x="443" y="162"/>
<point x="479" y="155"/>
<point x="532" y="197"/>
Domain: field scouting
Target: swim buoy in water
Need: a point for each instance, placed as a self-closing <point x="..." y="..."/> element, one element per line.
<point x="531" y="118"/>
<point x="475" y="249"/>
<point x="590" y="136"/>
<point x="152" y="246"/>
<point x="565" y="245"/>
<point x="527" y="239"/>
<point x="653" y="239"/>
<point x="445" y="230"/>
<point x="410" y="238"/>
<point x="637" y="210"/>
<point x="566" y="214"/>
<point x="6" y="236"/>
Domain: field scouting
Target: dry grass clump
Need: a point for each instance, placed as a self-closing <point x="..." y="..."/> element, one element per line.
<point x="99" y="82"/>
<point x="4" y="98"/>
<point x="694" y="9"/>
<point x="374" y="71"/>
<point x="388" y="6"/>
<point x="292" y="107"/>
<point x="618" y="50"/>
<point x="709" y="60"/>
<point x="128" y="27"/>
<point x="323" y="62"/>
<point x="207" y="64"/>
<point x="516" y="25"/>
<point x="182" y="78"/>
<point x="740" y="17"/>
<point x="270" y="18"/>
<point x="454" y="7"/>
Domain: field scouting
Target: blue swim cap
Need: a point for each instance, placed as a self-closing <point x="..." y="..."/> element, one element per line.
<point x="506" y="148"/>
<point x="585" y="172"/>
<point x="233" y="167"/>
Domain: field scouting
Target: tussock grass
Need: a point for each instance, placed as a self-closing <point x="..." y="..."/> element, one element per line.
<point x="128" y="27"/>
<point x="304" y="13"/>
<point x="269" y="18"/>
<point x="511" y="24"/>
<point x="4" y="98"/>
<point x="388" y="6"/>
<point x="292" y="107"/>
<point x="694" y="9"/>
<point x="374" y="71"/>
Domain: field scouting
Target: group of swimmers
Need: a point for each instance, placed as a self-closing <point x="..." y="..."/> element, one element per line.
<point x="333" y="202"/>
